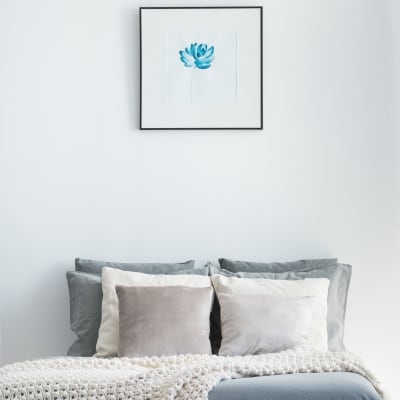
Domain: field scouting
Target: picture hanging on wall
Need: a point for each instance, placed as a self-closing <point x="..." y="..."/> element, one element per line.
<point x="201" y="68"/>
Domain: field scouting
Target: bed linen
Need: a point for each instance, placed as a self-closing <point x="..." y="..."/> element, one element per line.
<point x="307" y="386"/>
<point x="251" y="266"/>
<point x="190" y="377"/>
<point x="86" y="295"/>
<point x="339" y="276"/>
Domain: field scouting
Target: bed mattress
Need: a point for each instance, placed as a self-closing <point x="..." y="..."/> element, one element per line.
<point x="306" y="386"/>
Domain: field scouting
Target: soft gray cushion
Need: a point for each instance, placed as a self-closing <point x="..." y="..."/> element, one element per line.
<point x="247" y="266"/>
<point x="107" y="343"/>
<point x="339" y="276"/>
<point x="86" y="296"/>
<point x="165" y="320"/>
<point x="95" y="267"/>
<point x="85" y="311"/>
<point x="274" y="323"/>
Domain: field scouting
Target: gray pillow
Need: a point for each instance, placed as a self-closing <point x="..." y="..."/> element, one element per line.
<point x="274" y="323"/>
<point x="95" y="267"/>
<point x="339" y="276"/>
<point x="165" y="320"/>
<point x="247" y="266"/>
<point x="85" y="296"/>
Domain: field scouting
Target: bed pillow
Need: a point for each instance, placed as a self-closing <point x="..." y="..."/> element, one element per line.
<point x="247" y="266"/>
<point x="85" y="296"/>
<point x="317" y="329"/>
<point x="95" y="267"/>
<point x="108" y="341"/>
<point x="164" y="321"/>
<point x="274" y="324"/>
<point x="339" y="276"/>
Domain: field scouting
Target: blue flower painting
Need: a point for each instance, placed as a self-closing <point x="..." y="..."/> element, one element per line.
<point x="198" y="55"/>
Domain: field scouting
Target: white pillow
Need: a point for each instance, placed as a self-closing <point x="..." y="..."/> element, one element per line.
<point x="259" y="324"/>
<point x="108" y="340"/>
<point x="318" y="288"/>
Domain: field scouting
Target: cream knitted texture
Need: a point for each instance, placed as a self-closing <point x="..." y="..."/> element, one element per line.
<point x="186" y="377"/>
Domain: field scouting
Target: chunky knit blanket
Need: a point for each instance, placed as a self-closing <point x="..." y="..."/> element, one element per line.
<point x="186" y="377"/>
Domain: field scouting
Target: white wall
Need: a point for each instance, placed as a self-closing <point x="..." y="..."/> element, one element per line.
<point x="396" y="46"/>
<point x="79" y="179"/>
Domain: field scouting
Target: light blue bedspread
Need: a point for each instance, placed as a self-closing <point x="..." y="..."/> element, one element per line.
<point x="307" y="386"/>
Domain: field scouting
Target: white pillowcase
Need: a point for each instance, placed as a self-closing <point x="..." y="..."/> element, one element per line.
<point x="259" y="324"/>
<point x="317" y="288"/>
<point x="108" y="340"/>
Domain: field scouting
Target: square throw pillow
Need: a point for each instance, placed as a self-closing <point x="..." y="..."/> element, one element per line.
<point x="85" y="296"/>
<point x="339" y="276"/>
<point x="318" y="288"/>
<point x="248" y="266"/>
<point x="95" y="267"/>
<point x="108" y="341"/>
<point x="164" y="321"/>
<point x="275" y="323"/>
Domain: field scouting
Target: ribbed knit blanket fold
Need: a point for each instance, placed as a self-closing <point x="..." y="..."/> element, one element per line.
<point x="186" y="377"/>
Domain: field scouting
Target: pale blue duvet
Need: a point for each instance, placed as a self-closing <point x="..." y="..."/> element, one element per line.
<point x="312" y="386"/>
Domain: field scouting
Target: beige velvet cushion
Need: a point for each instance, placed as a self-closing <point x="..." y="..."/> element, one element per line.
<point x="162" y="321"/>
<point x="317" y="328"/>
<point x="108" y="340"/>
<point x="259" y="324"/>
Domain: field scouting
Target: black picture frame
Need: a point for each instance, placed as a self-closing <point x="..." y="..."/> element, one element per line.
<point x="146" y="127"/>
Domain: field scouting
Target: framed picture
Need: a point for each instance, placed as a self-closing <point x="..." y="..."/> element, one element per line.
<point x="201" y="68"/>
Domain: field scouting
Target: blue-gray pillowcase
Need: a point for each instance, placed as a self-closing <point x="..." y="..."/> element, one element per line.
<point x="249" y="266"/>
<point x="339" y="276"/>
<point x="95" y="267"/>
<point x="86" y="296"/>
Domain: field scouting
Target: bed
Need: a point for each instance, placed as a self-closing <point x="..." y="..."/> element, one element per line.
<point x="240" y="330"/>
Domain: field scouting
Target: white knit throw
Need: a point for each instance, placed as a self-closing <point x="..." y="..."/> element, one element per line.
<point x="186" y="377"/>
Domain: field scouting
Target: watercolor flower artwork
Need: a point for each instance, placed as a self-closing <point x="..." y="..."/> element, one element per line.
<point x="197" y="56"/>
<point x="201" y="67"/>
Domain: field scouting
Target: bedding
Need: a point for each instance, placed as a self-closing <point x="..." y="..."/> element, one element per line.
<point x="168" y="320"/>
<point x="307" y="386"/>
<point x="193" y="377"/>
<point x="274" y="323"/>
<point x="85" y="296"/>
<point x="339" y="276"/>
<point x="95" y="267"/>
<point x="85" y="293"/>
<point x="317" y="328"/>
<point x="250" y="266"/>
<point x="108" y="340"/>
<point x="296" y="374"/>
